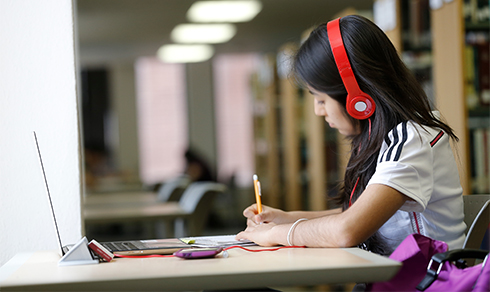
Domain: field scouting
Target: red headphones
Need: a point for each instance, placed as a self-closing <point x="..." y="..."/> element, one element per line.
<point x="359" y="104"/>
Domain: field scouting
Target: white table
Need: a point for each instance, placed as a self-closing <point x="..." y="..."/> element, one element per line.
<point x="241" y="269"/>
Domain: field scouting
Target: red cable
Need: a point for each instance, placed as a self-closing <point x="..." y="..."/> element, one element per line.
<point x="355" y="186"/>
<point x="143" y="256"/>
<point x="352" y="193"/>
<point x="259" y="250"/>
<point x="230" y="247"/>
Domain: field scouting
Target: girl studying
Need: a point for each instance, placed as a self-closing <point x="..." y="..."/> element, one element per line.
<point x="401" y="178"/>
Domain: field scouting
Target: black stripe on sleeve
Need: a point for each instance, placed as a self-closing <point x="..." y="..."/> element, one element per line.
<point x="404" y="139"/>
<point x="395" y="142"/>
<point x="395" y="147"/>
<point x="387" y="140"/>
<point x="388" y="143"/>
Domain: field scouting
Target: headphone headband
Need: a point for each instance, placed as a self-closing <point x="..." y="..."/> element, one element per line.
<point x="359" y="104"/>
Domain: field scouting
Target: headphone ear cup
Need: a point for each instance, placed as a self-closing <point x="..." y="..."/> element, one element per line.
<point x="360" y="107"/>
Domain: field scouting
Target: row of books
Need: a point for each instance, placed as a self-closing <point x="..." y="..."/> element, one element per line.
<point x="477" y="75"/>
<point x="477" y="67"/>
<point x="476" y="11"/>
<point x="480" y="160"/>
<point x="416" y="32"/>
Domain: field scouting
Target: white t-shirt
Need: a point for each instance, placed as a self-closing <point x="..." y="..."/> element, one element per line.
<point x="418" y="162"/>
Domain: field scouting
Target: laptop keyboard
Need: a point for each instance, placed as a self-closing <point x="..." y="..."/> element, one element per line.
<point x="119" y="246"/>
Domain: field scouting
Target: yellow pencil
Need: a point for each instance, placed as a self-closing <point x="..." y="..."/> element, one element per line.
<point x="258" y="193"/>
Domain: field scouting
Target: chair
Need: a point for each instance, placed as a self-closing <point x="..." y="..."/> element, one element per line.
<point x="172" y="190"/>
<point x="197" y="201"/>
<point x="477" y="219"/>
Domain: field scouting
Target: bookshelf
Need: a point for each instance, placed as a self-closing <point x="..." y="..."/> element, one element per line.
<point x="264" y="91"/>
<point x="447" y="24"/>
<point x="410" y="32"/>
<point x="438" y="45"/>
<point x="477" y="91"/>
<point x="316" y="156"/>
<point x="456" y="87"/>
<point x="291" y="138"/>
<point x="290" y="141"/>
<point x="320" y="161"/>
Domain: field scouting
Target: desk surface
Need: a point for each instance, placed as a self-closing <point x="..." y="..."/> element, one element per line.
<point x="241" y="269"/>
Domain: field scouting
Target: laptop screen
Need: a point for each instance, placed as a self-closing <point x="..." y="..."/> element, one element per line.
<point x="60" y="246"/>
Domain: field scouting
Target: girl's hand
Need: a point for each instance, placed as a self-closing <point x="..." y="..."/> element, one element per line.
<point x="261" y="234"/>
<point x="268" y="215"/>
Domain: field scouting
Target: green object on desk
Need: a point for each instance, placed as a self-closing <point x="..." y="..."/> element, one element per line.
<point x="188" y="240"/>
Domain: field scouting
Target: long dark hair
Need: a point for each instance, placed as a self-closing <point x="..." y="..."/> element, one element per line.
<point x="381" y="74"/>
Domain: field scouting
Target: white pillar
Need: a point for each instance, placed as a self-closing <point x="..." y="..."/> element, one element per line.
<point x="38" y="92"/>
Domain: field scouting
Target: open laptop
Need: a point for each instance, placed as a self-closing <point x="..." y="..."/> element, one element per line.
<point x="131" y="247"/>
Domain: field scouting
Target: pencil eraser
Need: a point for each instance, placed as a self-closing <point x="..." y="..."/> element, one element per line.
<point x="255" y="177"/>
<point x="101" y="251"/>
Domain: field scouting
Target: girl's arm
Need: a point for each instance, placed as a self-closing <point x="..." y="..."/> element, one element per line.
<point x="373" y="208"/>
<point x="278" y="216"/>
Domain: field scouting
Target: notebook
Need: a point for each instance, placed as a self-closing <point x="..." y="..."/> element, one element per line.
<point x="141" y="247"/>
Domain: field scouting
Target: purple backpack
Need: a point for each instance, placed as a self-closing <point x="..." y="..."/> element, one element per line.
<point x="428" y="266"/>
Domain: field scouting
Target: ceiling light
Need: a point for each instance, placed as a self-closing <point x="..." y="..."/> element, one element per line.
<point x="185" y="53"/>
<point x="203" y="33"/>
<point x="224" y="11"/>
